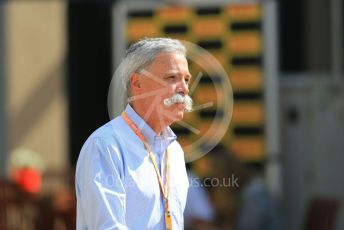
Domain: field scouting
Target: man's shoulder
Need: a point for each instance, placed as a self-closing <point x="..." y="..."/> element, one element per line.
<point x="109" y="133"/>
<point x="102" y="150"/>
<point x="175" y="146"/>
<point x="105" y="140"/>
<point x="177" y="151"/>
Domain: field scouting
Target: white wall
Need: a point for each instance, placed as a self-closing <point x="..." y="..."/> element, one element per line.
<point x="3" y="138"/>
<point x="36" y="98"/>
<point x="312" y="144"/>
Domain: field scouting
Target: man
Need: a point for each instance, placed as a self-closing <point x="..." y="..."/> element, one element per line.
<point x="131" y="172"/>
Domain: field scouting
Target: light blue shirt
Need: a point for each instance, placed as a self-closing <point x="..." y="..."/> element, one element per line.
<point x="116" y="185"/>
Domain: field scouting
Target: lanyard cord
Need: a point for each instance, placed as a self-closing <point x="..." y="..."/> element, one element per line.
<point x="164" y="188"/>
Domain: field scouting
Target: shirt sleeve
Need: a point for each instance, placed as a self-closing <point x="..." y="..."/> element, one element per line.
<point x="99" y="187"/>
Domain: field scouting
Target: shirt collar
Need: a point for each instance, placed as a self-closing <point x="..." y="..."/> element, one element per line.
<point x="149" y="134"/>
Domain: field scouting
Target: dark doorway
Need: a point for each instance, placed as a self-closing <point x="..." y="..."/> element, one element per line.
<point x="88" y="70"/>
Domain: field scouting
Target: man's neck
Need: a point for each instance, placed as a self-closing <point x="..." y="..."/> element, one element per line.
<point x="151" y="120"/>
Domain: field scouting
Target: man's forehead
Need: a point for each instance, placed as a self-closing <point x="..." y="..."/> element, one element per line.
<point x="173" y="70"/>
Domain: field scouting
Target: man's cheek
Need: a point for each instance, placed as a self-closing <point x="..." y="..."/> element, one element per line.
<point x="170" y="88"/>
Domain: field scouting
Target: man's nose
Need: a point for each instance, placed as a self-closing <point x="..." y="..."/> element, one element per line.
<point x="183" y="88"/>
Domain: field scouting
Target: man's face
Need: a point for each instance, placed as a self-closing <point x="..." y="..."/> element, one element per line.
<point x="167" y="75"/>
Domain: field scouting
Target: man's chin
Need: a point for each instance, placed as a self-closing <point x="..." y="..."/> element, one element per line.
<point x="175" y="112"/>
<point x="177" y="116"/>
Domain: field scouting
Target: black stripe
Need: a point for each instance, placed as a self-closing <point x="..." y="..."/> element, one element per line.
<point x="248" y="130"/>
<point x="210" y="44"/>
<point x="246" y="61"/>
<point x="141" y="14"/>
<point x="211" y="113"/>
<point x="248" y="95"/>
<point x="206" y="79"/>
<point x="175" y="29"/>
<point x="207" y="113"/>
<point x="238" y="26"/>
<point x="209" y="11"/>
<point x="178" y="130"/>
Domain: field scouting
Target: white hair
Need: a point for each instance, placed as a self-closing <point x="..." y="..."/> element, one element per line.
<point x="142" y="53"/>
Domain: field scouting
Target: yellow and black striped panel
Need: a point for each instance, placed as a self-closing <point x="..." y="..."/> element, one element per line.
<point x="233" y="35"/>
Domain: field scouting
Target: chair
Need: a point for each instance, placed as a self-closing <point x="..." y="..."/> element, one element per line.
<point x="322" y="214"/>
<point x="18" y="210"/>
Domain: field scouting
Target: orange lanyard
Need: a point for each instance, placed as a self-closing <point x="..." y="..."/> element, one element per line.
<point x="165" y="189"/>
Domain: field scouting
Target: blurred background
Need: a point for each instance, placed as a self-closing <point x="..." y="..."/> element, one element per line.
<point x="285" y="143"/>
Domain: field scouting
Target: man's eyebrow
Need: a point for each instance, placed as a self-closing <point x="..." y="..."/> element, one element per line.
<point x="176" y="72"/>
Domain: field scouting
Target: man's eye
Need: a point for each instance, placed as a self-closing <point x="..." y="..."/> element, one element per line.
<point x="171" y="77"/>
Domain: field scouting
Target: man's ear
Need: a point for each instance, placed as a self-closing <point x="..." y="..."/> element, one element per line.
<point x="135" y="81"/>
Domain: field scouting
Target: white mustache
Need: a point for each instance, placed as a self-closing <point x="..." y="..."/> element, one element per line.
<point x="178" y="98"/>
